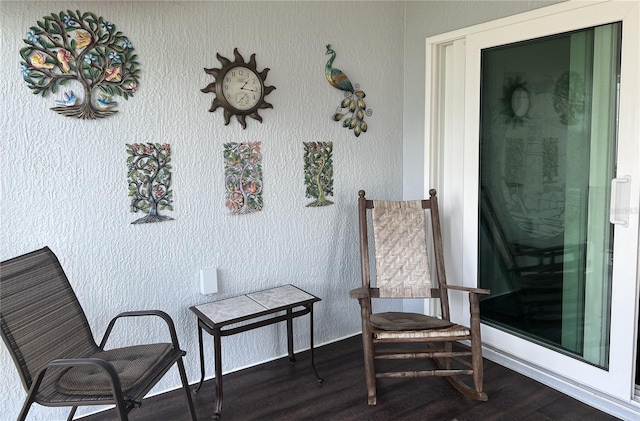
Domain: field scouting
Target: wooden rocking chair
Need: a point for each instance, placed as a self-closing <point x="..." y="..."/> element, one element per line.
<point x="402" y="271"/>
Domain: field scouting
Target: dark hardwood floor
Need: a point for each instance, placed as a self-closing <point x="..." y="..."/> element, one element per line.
<point x="279" y="390"/>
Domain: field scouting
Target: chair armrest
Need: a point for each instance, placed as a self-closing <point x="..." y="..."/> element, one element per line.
<point x="104" y="365"/>
<point x="362" y="292"/>
<point x="158" y="313"/>
<point x="468" y="289"/>
<point x="116" y="385"/>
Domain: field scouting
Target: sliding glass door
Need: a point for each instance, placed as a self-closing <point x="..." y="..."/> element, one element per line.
<point x="532" y="140"/>
<point x="547" y="157"/>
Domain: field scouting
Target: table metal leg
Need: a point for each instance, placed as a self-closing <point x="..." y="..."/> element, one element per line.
<point x="313" y="364"/>
<point x="292" y="357"/>
<point x="201" y="348"/>
<point x="217" y="349"/>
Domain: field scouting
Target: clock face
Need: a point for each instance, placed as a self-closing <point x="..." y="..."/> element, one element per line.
<point x="242" y="88"/>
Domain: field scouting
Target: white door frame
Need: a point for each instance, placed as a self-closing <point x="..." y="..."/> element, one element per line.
<point x="452" y="151"/>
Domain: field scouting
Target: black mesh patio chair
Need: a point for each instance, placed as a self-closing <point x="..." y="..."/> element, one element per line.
<point x="59" y="362"/>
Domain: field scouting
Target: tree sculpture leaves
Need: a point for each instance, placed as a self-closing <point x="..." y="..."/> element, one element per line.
<point x="84" y="48"/>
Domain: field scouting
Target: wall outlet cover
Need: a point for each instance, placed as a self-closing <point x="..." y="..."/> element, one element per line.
<point x="208" y="281"/>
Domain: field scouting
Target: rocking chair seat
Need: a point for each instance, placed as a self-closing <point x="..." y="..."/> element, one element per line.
<point x="454" y="331"/>
<point x="406" y="321"/>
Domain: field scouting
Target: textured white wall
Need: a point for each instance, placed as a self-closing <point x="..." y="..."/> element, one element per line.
<point x="64" y="180"/>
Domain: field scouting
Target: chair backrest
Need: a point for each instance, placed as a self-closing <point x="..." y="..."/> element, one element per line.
<point x="496" y="232"/>
<point x="402" y="264"/>
<point x="40" y="316"/>
<point x="401" y="248"/>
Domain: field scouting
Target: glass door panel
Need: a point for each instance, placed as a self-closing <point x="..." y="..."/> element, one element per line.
<point x="547" y="156"/>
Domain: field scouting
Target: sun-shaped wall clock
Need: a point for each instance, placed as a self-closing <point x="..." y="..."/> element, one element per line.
<point x="239" y="88"/>
<point x="515" y="101"/>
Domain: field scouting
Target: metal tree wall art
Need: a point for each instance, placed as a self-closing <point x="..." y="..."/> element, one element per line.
<point x="85" y="50"/>
<point x="352" y="108"/>
<point x="150" y="180"/>
<point x="243" y="177"/>
<point x="569" y="97"/>
<point x="318" y="172"/>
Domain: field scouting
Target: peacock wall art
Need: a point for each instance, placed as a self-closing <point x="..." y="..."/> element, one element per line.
<point x="352" y="109"/>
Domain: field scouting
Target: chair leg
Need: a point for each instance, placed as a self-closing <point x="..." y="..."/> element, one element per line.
<point x="370" y="374"/>
<point x="185" y="386"/>
<point x="457" y="382"/>
<point x="25" y="409"/>
<point x="368" y="349"/>
<point x="369" y="367"/>
<point x="476" y="346"/>
<point x="72" y="413"/>
<point x="31" y="396"/>
<point x="477" y="365"/>
<point x="121" y="408"/>
<point x="448" y="347"/>
<point x="122" y="412"/>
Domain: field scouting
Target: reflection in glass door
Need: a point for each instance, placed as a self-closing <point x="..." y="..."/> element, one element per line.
<point x="547" y="158"/>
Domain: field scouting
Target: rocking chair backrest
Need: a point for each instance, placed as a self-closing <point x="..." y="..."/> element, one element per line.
<point x="40" y="316"/>
<point x="401" y="249"/>
<point x="402" y="266"/>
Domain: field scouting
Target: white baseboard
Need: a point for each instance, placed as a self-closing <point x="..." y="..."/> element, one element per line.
<point x="611" y="405"/>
